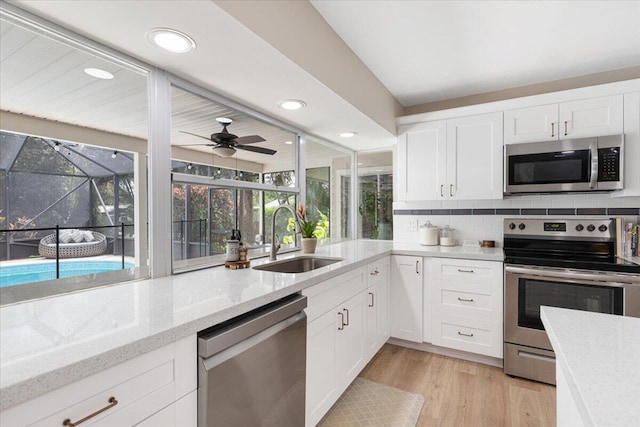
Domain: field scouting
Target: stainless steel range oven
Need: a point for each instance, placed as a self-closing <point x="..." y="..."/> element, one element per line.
<point x="559" y="263"/>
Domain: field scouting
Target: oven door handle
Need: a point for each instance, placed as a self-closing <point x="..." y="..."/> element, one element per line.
<point x="611" y="279"/>
<point x="593" y="179"/>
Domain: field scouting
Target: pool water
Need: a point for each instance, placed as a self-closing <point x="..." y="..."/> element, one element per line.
<point x="36" y="272"/>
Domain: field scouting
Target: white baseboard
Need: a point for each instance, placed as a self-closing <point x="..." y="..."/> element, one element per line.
<point x="458" y="354"/>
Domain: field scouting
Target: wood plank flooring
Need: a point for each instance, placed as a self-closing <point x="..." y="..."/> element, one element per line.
<point x="460" y="393"/>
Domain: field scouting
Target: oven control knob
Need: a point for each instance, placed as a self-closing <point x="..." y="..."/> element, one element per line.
<point x="591" y="227"/>
<point x="521" y="226"/>
<point x="512" y="226"/>
<point x="602" y="228"/>
<point x="579" y="227"/>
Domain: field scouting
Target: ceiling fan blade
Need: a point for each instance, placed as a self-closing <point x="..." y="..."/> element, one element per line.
<point x="199" y="136"/>
<point x="249" y="139"/>
<point x="195" y="145"/>
<point x="260" y="150"/>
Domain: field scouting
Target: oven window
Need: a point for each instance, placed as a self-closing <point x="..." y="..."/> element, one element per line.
<point x="549" y="168"/>
<point x="534" y="293"/>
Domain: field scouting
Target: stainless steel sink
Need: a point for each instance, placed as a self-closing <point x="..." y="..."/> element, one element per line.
<point x="299" y="264"/>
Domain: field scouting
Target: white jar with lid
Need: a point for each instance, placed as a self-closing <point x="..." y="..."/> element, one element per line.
<point x="447" y="236"/>
<point x="429" y="234"/>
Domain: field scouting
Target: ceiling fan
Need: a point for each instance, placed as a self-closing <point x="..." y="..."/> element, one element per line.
<point x="225" y="144"/>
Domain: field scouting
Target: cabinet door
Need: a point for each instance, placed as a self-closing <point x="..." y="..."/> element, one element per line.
<point x="421" y="161"/>
<point x="531" y="124"/>
<point x="591" y="117"/>
<point x="474" y="157"/>
<point x="631" y="145"/>
<point x="376" y="302"/>
<point x="321" y="366"/>
<point x="406" y="298"/>
<point x="349" y="341"/>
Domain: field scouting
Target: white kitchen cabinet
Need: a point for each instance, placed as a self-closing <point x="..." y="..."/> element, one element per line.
<point x="377" y="306"/>
<point x="631" y="145"/>
<point x="422" y="161"/>
<point x="142" y="387"/>
<point x="574" y="119"/>
<point x="406" y="297"/>
<point x="181" y="413"/>
<point x="441" y="160"/>
<point x="474" y="158"/>
<point x="466" y="305"/>
<point x="335" y="340"/>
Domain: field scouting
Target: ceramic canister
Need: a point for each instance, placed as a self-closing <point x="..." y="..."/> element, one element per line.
<point x="429" y="234"/>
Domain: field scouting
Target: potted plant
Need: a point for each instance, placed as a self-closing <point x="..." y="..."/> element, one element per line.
<point x="308" y="231"/>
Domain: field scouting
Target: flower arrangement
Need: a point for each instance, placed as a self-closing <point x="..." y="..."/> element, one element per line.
<point x="307" y="228"/>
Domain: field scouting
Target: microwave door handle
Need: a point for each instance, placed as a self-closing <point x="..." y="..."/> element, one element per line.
<point x="593" y="182"/>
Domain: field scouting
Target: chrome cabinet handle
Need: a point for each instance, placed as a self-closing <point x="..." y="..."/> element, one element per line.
<point x="465" y="300"/>
<point x="460" y="270"/>
<point x="341" y="327"/>
<point x="464" y="335"/>
<point x="565" y="127"/>
<point x="417" y="267"/>
<point x="375" y="273"/>
<point x="112" y="402"/>
<point x="347" y="311"/>
<point x="451" y="190"/>
<point x="372" y="301"/>
<point x="552" y="129"/>
<point x="441" y="189"/>
<point x="593" y="178"/>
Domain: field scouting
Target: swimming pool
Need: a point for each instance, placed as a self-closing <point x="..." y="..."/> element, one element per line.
<point x="38" y="271"/>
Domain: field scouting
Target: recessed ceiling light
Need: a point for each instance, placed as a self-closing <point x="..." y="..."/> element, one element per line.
<point x="291" y="104"/>
<point x="348" y="134"/>
<point x="360" y="163"/>
<point x="171" y="40"/>
<point x="98" y="73"/>
<point x="378" y="170"/>
<point x="288" y="142"/>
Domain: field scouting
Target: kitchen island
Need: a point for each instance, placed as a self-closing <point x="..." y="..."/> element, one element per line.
<point x="597" y="367"/>
<point x="52" y="342"/>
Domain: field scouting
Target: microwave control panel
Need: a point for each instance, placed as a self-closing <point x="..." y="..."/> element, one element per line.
<point x="608" y="164"/>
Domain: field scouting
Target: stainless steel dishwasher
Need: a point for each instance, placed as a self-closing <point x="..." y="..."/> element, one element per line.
<point x="252" y="369"/>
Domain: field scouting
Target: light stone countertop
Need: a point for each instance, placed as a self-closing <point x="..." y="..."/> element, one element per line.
<point x="48" y="343"/>
<point x="600" y="357"/>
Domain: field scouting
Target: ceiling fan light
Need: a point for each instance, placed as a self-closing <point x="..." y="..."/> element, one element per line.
<point x="224" y="120"/>
<point x="223" y="151"/>
<point x="171" y="40"/>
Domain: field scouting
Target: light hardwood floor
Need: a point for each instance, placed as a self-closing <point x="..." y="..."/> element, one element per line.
<point x="460" y="393"/>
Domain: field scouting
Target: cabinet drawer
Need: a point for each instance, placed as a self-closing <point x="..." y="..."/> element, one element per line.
<point x="466" y="304"/>
<point x="377" y="271"/>
<point x="326" y="295"/>
<point x="467" y="335"/>
<point x="141" y="386"/>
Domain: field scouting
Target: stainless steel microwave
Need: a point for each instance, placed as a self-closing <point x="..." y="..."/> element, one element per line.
<point x="586" y="164"/>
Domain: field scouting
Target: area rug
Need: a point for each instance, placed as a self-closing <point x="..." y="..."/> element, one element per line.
<point x="367" y="403"/>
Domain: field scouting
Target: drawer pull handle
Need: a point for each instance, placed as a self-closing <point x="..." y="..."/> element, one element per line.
<point x="465" y="271"/>
<point x="341" y="327"/>
<point x="465" y="335"/>
<point x="375" y="273"/>
<point x="371" y="293"/>
<point x="112" y="402"/>
<point x="465" y="300"/>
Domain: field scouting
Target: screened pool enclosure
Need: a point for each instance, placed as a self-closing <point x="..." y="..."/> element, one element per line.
<point x="48" y="186"/>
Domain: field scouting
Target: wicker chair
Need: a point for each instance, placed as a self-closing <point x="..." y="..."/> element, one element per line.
<point x="47" y="247"/>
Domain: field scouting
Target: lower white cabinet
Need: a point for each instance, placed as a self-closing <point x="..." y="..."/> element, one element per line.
<point x="183" y="412"/>
<point x="377" y="306"/>
<point x="466" y="305"/>
<point x="142" y="387"/>
<point x="335" y="340"/>
<point x="406" y="297"/>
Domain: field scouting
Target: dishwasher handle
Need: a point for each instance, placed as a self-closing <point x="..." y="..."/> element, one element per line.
<point x="236" y="330"/>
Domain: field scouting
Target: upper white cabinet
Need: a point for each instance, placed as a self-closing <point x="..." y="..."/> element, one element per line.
<point x="573" y="119"/>
<point x="422" y="157"/>
<point x="406" y="297"/>
<point x="441" y="160"/>
<point x="631" y="145"/>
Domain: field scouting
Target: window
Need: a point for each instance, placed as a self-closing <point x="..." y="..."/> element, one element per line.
<point x="375" y="195"/>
